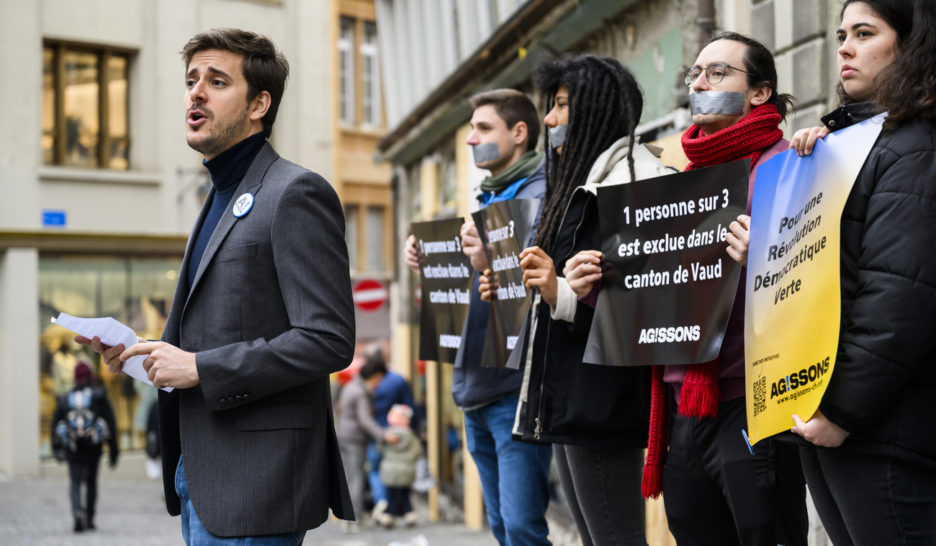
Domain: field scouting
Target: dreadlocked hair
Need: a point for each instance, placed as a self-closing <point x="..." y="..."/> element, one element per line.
<point x="605" y="104"/>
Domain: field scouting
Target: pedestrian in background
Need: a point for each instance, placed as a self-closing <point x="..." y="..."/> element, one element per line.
<point x="393" y="389"/>
<point x="82" y="423"/>
<point x="398" y="468"/>
<point x="356" y="426"/>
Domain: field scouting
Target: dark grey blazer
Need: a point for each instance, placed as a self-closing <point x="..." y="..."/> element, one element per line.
<point x="269" y="317"/>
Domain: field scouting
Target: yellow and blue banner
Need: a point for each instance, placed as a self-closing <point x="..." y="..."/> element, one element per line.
<point x="793" y="294"/>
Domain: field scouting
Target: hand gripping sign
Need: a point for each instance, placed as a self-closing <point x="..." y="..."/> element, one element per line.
<point x="668" y="285"/>
<point x="793" y="311"/>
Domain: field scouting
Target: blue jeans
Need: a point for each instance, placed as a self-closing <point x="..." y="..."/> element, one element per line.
<point x="378" y="491"/>
<point x="195" y="534"/>
<point x="514" y="475"/>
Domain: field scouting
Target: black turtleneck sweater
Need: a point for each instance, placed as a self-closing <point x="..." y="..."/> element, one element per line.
<point x="227" y="170"/>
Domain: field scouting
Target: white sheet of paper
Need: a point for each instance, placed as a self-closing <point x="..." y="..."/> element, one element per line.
<point x="111" y="332"/>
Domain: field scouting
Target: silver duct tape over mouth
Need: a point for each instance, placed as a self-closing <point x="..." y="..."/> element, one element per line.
<point x="485" y="152"/>
<point x="557" y="135"/>
<point x="716" y="102"/>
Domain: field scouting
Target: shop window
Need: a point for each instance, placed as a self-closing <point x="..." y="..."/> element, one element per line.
<point x="135" y="291"/>
<point x="84" y="107"/>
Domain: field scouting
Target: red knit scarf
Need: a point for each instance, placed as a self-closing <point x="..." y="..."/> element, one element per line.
<point x="749" y="137"/>
<point x="700" y="395"/>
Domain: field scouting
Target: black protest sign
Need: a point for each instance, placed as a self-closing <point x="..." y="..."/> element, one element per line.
<point x="446" y="288"/>
<point x="504" y="228"/>
<point x="668" y="285"/>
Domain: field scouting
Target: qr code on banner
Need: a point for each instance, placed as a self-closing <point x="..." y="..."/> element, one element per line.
<point x="760" y="395"/>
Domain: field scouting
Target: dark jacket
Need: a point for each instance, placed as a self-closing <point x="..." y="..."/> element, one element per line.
<point x="473" y="384"/>
<point x="564" y="400"/>
<point x="269" y="317"/>
<point x="100" y="406"/>
<point x="884" y="381"/>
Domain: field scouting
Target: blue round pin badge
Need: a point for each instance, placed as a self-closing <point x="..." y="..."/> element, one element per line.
<point x="243" y="205"/>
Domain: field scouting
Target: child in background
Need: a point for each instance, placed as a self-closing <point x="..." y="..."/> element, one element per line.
<point x="398" y="467"/>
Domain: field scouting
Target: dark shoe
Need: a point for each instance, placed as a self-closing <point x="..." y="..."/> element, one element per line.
<point x="79" y="525"/>
<point x="91" y="526"/>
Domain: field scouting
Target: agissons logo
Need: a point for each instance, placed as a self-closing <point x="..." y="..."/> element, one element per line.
<point x="800" y="378"/>
<point x="671" y="334"/>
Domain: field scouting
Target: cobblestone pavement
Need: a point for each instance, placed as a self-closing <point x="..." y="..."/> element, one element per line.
<point x="35" y="511"/>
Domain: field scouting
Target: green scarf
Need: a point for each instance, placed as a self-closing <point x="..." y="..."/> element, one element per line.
<point x="523" y="168"/>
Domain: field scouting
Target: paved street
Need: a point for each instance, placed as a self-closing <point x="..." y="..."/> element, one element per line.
<point x="35" y="511"/>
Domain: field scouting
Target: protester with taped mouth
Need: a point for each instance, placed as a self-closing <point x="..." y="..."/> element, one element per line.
<point x="514" y="475"/>
<point x="595" y="416"/>
<point x="872" y="473"/>
<point x="717" y="489"/>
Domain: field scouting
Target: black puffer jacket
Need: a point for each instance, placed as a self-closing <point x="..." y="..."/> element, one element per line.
<point x="883" y="388"/>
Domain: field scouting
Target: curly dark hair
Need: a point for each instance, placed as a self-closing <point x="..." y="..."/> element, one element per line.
<point x="605" y="104"/>
<point x="906" y="88"/>
<point x="265" y="69"/>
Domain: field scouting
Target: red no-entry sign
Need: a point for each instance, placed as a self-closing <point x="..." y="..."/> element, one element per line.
<point x="370" y="295"/>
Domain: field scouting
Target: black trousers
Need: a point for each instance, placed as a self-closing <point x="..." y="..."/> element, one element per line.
<point x="398" y="501"/>
<point x="83" y="472"/>
<point x="717" y="493"/>
<point x="872" y="493"/>
<point x="602" y="488"/>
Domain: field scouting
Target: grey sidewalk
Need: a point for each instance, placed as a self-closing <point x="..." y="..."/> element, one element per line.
<point x="131" y="511"/>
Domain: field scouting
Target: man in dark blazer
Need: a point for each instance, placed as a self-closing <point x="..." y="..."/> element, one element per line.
<point x="261" y="316"/>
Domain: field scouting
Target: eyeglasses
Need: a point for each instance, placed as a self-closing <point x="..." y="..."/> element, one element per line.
<point x="714" y="73"/>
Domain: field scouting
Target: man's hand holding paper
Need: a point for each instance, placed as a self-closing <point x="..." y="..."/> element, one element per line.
<point x="110" y="354"/>
<point x="166" y="365"/>
<point x="110" y="338"/>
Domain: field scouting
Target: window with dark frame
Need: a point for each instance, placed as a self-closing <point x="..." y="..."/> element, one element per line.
<point x="84" y="106"/>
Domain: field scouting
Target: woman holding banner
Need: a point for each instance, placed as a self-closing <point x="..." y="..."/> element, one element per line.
<point x="873" y="476"/>
<point x="596" y="416"/>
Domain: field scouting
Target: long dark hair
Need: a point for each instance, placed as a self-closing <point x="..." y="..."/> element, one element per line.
<point x="605" y="104"/>
<point x="906" y="88"/>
